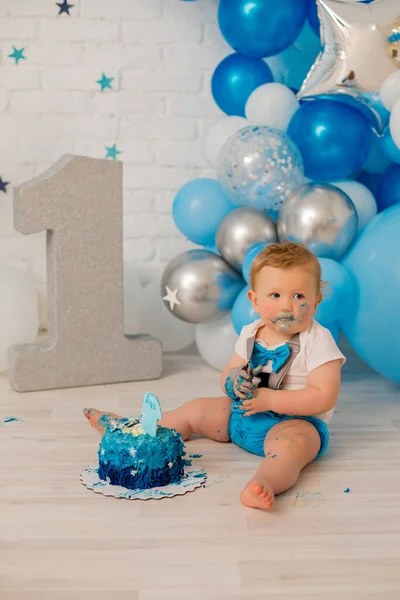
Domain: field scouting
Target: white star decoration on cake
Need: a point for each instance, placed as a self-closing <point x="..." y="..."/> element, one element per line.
<point x="171" y="297"/>
<point x="361" y="47"/>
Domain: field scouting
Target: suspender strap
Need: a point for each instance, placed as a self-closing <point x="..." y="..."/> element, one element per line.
<point x="276" y="379"/>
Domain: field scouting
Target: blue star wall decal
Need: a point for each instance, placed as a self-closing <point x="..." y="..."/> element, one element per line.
<point x="112" y="152"/>
<point x="105" y="82"/>
<point x="64" y="7"/>
<point x="17" y="54"/>
<point x="3" y="185"/>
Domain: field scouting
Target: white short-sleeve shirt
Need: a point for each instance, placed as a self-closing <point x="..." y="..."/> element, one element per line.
<point x="317" y="347"/>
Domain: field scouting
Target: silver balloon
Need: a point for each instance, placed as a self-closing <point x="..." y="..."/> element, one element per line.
<point x="198" y="286"/>
<point x="361" y="48"/>
<point x="240" y="229"/>
<point x="320" y="216"/>
<point x="259" y="166"/>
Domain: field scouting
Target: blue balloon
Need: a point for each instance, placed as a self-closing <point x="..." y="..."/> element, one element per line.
<point x="372" y="325"/>
<point x="229" y="291"/>
<point x="376" y="102"/>
<point x="251" y="253"/>
<point x="259" y="28"/>
<point x="377" y="161"/>
<point x="370" y="180"/>
<point x="307" y="40"/>
<point x="312" y="15"/>
<point x="332" y="326"/>
<point x="198" y="209"/>
<point x="334" y="329"/>
<point x="389" y="188"/>
<point x="388" y="146"/>
<point x="362" y="105"/>
<point x="333" y="138"/>
<point x="292" y="66"/>
<point x="235" y="79"/>
<point x="243" y="312"/>
<point x="338" y="294"/>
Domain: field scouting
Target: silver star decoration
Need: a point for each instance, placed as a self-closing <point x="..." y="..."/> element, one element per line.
<point x="172" y="298"/>
<point x="360" y="48"/>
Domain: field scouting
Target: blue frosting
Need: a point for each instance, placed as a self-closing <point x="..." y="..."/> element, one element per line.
<point x="141" y="461"/>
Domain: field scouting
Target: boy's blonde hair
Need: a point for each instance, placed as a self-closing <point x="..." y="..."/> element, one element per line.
<point x="286" y="255"/>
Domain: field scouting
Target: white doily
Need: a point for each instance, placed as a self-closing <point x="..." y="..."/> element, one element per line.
<point x="192" y="479"/>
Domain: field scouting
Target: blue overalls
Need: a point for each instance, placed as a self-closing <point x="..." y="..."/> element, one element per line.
<point x="249" y="433"/>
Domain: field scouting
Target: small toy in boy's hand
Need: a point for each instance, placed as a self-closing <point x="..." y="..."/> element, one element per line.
<point x="243" y="385"/>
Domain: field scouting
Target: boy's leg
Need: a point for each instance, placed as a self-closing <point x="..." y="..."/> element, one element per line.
<point x="204" y="416"/>
<point x="289" y="446"/>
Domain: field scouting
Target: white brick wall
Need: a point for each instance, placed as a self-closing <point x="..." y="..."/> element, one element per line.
<point x="162" y="54"/>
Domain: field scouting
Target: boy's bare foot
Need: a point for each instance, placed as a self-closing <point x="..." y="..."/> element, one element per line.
<point x="258" y="494"/>
<point x="99" y="419"/>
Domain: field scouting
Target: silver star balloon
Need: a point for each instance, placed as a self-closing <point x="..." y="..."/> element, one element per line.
<point x="360" y="49"/>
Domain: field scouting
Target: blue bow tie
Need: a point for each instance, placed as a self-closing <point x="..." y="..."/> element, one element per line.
<point x="260" y="356"/>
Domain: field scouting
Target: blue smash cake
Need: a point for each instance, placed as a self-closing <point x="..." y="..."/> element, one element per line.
<point x="131" y="458"/>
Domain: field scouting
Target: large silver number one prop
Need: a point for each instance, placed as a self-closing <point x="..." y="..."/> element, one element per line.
<point x="79" y="203"/>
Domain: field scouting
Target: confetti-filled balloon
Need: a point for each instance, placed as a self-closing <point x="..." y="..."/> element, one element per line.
<point x="259" y="167"/>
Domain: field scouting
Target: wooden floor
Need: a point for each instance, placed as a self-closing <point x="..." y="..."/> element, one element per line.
<point x="59" y="540"/>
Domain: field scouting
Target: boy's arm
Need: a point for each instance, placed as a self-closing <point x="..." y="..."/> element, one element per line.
<point x="235" y="362"/>
<point x="318" y="397"/>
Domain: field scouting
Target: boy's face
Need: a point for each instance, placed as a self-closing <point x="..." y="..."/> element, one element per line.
<point x="285" y="299"/>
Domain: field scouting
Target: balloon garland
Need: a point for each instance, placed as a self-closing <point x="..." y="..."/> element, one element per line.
<point x="312" y="98"/>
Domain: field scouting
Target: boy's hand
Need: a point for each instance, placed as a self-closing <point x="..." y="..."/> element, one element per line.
<point x="260" y="402"/>
<point x="243" y="386"/>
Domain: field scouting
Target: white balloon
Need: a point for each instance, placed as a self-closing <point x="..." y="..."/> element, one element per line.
<point x="19" y="315"/>
<point x="156" y="320"/>
<point x="390" y="90"/>
<point x="394" y="123"/>
<point x="218" y="134"/>
<point x="216" y="341"/>
<point x="132" y="300"/>
<point x="272" y="104"/>
<point x="362" y="198"/>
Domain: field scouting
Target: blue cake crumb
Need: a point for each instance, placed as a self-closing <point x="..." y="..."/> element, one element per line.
<point x="141" y="461"/>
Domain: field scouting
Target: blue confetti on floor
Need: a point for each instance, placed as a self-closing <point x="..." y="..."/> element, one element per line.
<point x="347" y="491"/>
<point x="6" y="420"/>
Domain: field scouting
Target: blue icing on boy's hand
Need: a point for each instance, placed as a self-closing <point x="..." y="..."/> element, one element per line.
<point x="228" y="387"/>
